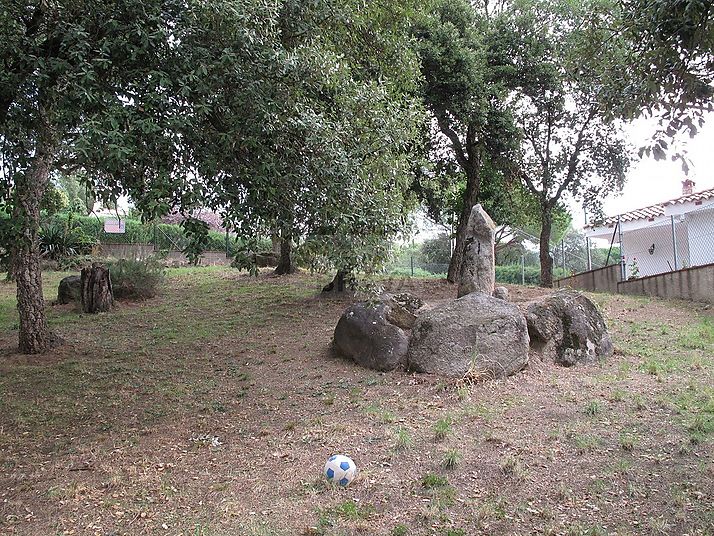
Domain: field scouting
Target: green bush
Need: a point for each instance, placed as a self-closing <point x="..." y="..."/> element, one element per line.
<point x="62" y="239"/>
<point x="511" y="273"/>
<point x="136" y="280"/>
<point x="166" y="236"/>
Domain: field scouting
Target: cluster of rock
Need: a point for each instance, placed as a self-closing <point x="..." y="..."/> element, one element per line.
<point x="480" y="334"/>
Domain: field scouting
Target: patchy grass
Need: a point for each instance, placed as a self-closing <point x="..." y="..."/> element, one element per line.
<point x="211" y="409"/>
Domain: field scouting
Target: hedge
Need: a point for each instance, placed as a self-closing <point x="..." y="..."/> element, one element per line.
<point x="511" y="273"/>
<point x="167" y="236"/>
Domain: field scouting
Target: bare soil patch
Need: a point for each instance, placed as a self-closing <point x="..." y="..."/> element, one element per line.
<point x="211" y="409"/>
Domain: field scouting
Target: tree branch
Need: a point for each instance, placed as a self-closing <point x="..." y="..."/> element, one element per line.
<point x="446" y="129"/>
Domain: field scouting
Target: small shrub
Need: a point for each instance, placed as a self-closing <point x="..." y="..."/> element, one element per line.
<point x="593" y="408"/>
<point x="627" y="442"/>
<point x="432" y="481"/>
<point x="586" y="443"/>
<point x="136" y="280"/>
<point x="511" y="466"/>
<point x="400" y="530"/>
<point x="442" y="428"/>
<point x="402" y="440"/>
<point x="451" y="459"/>
<point x="59" y="240"/>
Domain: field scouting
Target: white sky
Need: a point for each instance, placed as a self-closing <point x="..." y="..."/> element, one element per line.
<point x="650" y="182"/>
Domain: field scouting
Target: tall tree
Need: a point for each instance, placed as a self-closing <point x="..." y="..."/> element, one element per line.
<point x="86" y="86"/>
<point x="325" y="153"/>
<point x="468" y="74"/>
<point x="572" y="143"/>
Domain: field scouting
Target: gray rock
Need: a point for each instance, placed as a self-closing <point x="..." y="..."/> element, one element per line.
<point x="69" y="290"/>
<point x="478" y="272"/>
<point x="409" y="301"/>
<point x="568" y="328"/>
<point x="265" y="259"/>
<point x="501" y="293"/>
<point x="364" y="334"/>
<point x="402" y="308"/>
<point x="476" y="336"/>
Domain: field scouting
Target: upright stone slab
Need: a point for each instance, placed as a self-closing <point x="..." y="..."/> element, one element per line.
<point x="478" y="270"/>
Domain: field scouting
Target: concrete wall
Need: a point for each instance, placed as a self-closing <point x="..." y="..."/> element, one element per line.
<point x="142" y="251"/>
<point x="600" y="280"/>
<point x="696" y="284"/>
<point x="127" y="251"/>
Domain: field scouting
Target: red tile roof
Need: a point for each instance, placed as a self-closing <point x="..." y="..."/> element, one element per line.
<point x="692" y="198"/>
<point x="651" y="212"/>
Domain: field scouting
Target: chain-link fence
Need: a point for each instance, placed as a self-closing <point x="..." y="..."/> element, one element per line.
<point x="666" y="239"/>
<point x="517" y="257"/>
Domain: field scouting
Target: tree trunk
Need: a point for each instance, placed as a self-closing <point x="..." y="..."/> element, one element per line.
<point x="285" y="264"/>
<point x="275" y="244"/>
<point x="470" y="196"/>
<point x="34" y="334"/>
<point x="340" y="282"/>
<point x="97" y="295"/>
<point x="546" y="260"/>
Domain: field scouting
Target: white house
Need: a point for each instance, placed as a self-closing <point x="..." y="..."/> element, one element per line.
<point x="676" y="234"/>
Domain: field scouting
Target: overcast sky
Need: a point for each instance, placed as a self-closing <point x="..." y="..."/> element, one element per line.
<point x="650" y="182"/>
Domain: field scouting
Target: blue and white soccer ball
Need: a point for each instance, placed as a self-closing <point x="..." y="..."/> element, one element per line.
<point x="340" y="470"/>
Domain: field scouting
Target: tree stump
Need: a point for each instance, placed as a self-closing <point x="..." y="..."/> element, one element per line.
<point x="97" y="295"/>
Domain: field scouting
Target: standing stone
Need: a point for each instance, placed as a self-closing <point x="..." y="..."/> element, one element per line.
<point x="478" y="271"/>
<point x="97" y="295"/>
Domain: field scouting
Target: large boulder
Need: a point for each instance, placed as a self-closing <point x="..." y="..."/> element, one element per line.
<point x="365" y="334"/>
<point x="69" y="290"/>
<point x="568" y="328"/>
<point x="475" y="336"/>
<point x="478" y="272"/>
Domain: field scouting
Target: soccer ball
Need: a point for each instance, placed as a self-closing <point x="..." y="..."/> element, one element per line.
<point x="340" y="470"/>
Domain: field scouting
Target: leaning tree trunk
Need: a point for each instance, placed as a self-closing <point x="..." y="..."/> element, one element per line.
<point x="341" y="280"/>
<point x="97" y="295"/>
<point x="546" y="260"/>
<point x="285" y="264"/>
<point x="34" y="334"/>
<point x="469" y="201"/>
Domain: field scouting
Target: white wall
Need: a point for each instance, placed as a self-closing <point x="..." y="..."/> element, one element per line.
<point x="701" y="236"/>
<point x="637" y="245"/>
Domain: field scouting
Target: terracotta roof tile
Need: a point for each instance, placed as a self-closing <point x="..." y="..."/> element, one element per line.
<point x="651" y="212"/>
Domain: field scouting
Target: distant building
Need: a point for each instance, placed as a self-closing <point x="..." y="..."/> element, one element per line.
<point x="214" y="220"/>
<point x="672" y="235"/>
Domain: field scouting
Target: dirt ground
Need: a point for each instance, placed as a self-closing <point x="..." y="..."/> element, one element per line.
<point x="211" y="410"/>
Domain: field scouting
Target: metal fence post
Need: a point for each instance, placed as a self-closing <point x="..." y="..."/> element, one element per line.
<point x="674" y="244"/>
<point x="411" y="259"/>
<point x="587" y="244"/>
<point x="227" y="255"/>
<point x="623" y="265"/>
<point x="156" y="245"/>
<point x="523" y="270"/>
<point x="562" y="254"/>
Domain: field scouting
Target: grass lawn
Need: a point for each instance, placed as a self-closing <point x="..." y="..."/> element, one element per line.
<point x="211" y="409"/>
